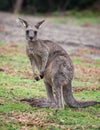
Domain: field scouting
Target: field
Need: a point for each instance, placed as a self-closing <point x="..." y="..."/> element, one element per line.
<point x="80" y="36"/>
<point x="16" y="82"/>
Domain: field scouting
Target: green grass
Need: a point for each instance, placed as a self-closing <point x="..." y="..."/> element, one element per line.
<point x="16" y="82"/>
<point x="83" y="18"/>
<point x="85" y="21"/>
<point x="2" y="43"/>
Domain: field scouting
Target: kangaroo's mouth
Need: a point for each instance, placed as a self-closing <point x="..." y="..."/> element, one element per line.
<point x="32" y="40"/>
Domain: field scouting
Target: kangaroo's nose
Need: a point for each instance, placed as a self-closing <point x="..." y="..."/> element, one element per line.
<point x="31" y="38"/>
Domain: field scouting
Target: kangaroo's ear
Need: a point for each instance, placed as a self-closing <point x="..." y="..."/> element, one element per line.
<point x="39" y="23"/>
<point x="23" y="22"/>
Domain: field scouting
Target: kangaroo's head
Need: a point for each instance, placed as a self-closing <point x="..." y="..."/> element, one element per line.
<point x="31" y="32"/>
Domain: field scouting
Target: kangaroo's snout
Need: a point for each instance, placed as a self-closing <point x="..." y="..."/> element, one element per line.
<point x="31" y="35"/>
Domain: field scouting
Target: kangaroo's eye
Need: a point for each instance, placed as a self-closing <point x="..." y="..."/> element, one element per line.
<point x="35" y="32"/>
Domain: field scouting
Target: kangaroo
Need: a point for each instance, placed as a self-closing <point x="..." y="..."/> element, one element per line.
<point x="54" y="67"/>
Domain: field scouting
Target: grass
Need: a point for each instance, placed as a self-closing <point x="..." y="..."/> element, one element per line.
<point x="85" y="18"/>
<point x="83" y="21"/>
<point x="16" y="82"/>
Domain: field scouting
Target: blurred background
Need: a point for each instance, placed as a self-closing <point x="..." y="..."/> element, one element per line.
<point x="70" y="22"/>
<point x="48" y="6"/>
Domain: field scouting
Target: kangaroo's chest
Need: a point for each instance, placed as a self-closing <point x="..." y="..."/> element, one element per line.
<point x="30" y="51"/>
<point x="34" y="54"/>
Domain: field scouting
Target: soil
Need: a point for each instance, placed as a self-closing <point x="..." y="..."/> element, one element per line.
<point x="69" y="35"/>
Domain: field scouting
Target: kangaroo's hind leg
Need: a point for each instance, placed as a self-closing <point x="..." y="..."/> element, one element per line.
<point x="59" y="95"/>
<point x="50" y="102"/>
<point x="50" y="96"/>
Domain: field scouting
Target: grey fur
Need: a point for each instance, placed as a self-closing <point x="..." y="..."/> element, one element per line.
<point x="54" y="66"/>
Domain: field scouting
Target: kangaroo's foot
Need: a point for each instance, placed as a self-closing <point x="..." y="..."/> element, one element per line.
<point x="41" y="103"/>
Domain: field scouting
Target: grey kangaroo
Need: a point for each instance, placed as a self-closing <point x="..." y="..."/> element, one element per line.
<point x="54" y="66"/>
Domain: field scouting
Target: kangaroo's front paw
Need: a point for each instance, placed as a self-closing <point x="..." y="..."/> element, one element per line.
<point x="41" y="75"/>
<point x="36" y="77"/>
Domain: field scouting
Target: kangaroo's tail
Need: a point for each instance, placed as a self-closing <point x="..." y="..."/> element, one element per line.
<point x="70" y="100"/>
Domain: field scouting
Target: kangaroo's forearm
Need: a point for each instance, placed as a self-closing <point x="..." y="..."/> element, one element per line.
<point x="36" y="76"/>
<point x="44" y="62"/>
<point x="33" y="65"/>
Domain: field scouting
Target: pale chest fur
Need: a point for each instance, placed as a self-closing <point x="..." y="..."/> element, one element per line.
<point x="30" y="50"/>
<point x="34" y="54"/>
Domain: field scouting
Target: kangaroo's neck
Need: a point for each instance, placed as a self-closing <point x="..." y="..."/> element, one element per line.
<point x="33" y="44"/>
